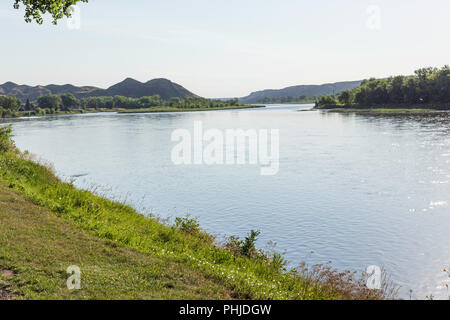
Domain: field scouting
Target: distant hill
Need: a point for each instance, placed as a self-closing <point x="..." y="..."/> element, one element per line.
<point x="128" y="88"/>
<point x="166" y="89"/>
<point x="299" y="91"/>
<point x="24" y="92"/>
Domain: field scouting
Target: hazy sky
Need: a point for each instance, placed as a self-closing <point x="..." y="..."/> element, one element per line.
<point x="219" y="48"/>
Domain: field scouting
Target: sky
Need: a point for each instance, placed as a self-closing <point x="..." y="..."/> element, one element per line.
<point x="220" y="49"/>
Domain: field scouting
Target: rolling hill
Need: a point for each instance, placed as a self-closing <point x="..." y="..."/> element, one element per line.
<point x="298" y="91"/>
<point x="128" y="88"/>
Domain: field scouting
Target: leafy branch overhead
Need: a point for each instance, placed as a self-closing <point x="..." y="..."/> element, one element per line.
<point x="35" y="9"/>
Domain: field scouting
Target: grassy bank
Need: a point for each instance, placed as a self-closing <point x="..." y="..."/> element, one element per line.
<point x="36" y="248"/>
<point x="47" y="225"/>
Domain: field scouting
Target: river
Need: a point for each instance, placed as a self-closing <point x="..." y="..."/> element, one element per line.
<point x="356" y="190"/>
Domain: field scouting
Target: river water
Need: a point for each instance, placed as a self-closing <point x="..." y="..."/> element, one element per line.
<point x="356" y="190"/>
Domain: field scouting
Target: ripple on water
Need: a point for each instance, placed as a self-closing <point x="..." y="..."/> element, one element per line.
<point x="351" y="188"/>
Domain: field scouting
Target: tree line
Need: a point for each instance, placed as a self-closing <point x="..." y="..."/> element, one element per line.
<point x="121" y="102"/>
<point x="427" y="87"/>
<point x="50" y="104"/>
<point x="8" y="106"/>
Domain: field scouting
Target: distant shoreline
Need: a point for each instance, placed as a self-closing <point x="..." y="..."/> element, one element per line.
<point x="312" y="101"/>
<point x="386" y="108"/>
<point x="27" y="114"/>
<point x="385" y="111"/>
<point x="172" y="109"/>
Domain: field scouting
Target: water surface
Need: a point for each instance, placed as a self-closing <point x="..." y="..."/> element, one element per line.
<point x="356" y="190"/>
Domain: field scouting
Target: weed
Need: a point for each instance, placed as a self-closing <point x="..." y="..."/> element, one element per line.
<point x="188" y="225"/>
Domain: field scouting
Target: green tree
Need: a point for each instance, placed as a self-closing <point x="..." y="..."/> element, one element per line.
<point x="174" y="101"/>
<point x="152" y="101"/>
<point x="345" y="97"/>
<point x="50" y="102"/>
<point x="28" y="106"/>
<point x="6" y="143"/>
<point x="395" y="89"/>
<point x="410" y="90"/>
<point x="361" y="95"/>
<point x="327" y="101"/>
<point x="34" y="9"/>
<point x="441" y="84"/>
<point x="10" y="103"/>
<point x="427" y="86"/>
<point x="69" y="101"/>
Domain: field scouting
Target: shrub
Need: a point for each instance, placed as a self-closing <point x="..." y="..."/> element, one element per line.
<point x="345" y="97"/>
<point x="278" y="262"/>
<point x="327" y="101"/>
<point x="7" y="113"/>
<point x="188" y="225"/>
<point x="244" y="247"/>
<point x="6" y="143"/>
<point x="248" y="246"/>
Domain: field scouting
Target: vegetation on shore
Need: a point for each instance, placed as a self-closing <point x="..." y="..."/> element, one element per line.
<point x="429" y="88"/>
<point x="47" y="224"/>
<point x="37" y="247"/>
<point x="172" y="109"/>
<point x="11" y="107"/>
<point x="153" y="102"/>
<point x="388" y="111"/>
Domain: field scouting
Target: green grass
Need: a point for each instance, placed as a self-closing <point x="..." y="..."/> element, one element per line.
<point x="37" y="247"/>
<point x="47" y="225"/>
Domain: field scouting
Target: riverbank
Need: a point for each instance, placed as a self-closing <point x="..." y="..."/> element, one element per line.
<point x="172" y="109"/>
<point x="37" y="247"/>
<point x="48" y="225"/>
<point x="42" y="113"/>
<point x="387" y="111"/>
